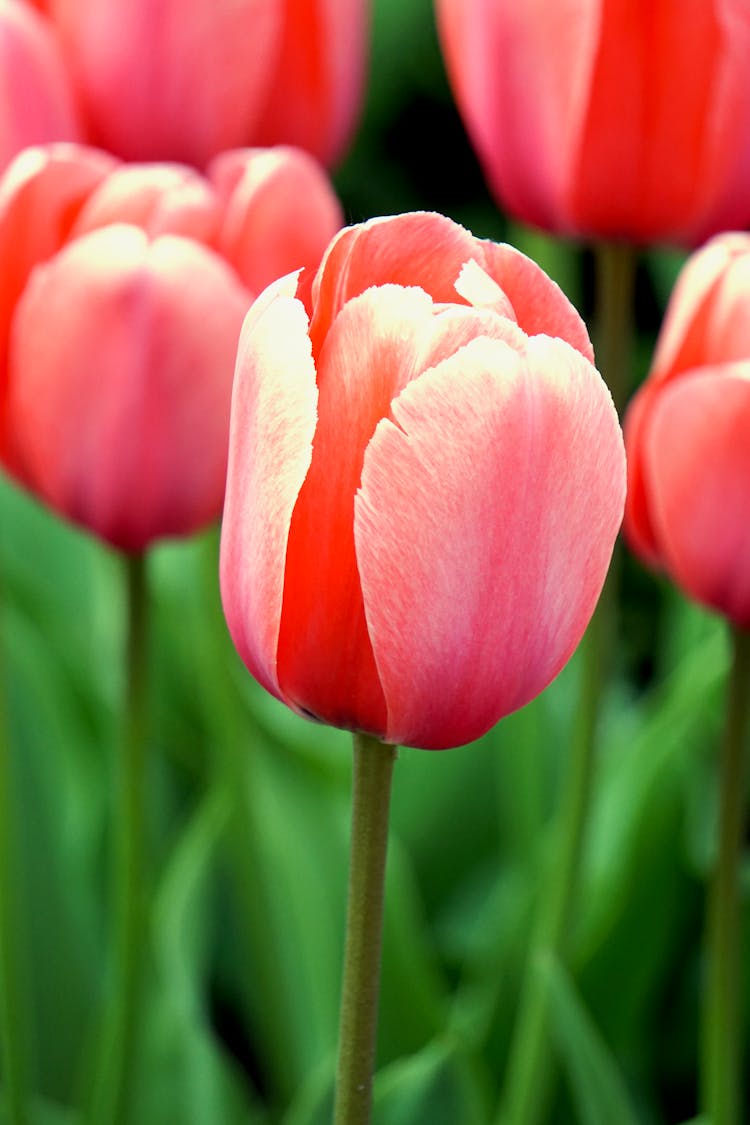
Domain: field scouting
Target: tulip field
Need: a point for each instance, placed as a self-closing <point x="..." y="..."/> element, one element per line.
<point x="374" y="562"/>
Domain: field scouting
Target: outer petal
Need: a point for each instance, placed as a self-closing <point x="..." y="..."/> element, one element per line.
<point x="726" y="155"/>
<point x="270" y="448"/>
<point x="279" y="212"/>
<point x="673" y="82"/>
<point x="36" y="96"/>
<point x="40" y="196"/>
<point x="697" y="468"/>
<point x="315" y="93"/>
<point x="120" y="381"/>
<point x="539" y="304"/>
<point x="706" y="320"/>
<point x="484" y="527"/>
<point x="159" y="198"/>
<point x="169" y="80"/>
<point x="523" y="113"/>
<point x="419" y="248"/>
<point x="638" y="525"/>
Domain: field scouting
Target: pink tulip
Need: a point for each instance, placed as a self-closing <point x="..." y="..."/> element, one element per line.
<point x="688" y="435"/>
<point x="426" y="478"/>
<point x="36" y="94"/>
<point x="120" y="309"/>
<point x="613" y="120"/>
<point x="169" y="80"/>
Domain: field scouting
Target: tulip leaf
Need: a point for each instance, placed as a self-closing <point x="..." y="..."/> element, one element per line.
<point x="185" y="1073"/>
<point x="439" y="1084"/>
<point x="42" y="1112"/>
<point x="597" y="1086"/>
<point x="58" y="796"/>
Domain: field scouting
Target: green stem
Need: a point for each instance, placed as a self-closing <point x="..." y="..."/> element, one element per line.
<point x="529" y="1063"/>
<point x="615" y="313"/>
<point x="114" y="1078"/>
<point x="722" y="1016"/>
<point x="13" y="1012"/>
<point x="373" y="769"/>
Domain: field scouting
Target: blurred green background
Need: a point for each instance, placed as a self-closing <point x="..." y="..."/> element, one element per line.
<point x="248" y="805"/>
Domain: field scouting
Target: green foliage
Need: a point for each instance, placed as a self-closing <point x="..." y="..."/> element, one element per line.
<point x="247" y="860"/>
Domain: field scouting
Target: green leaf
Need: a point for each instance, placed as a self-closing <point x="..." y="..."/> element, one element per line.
<point x="598" y="1088"/>
<point x="185" y="1074"/>
<point x="439" y="1085"/>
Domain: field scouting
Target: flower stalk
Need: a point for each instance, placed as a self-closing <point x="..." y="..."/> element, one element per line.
<point x="373" y="770"/>
<point x="114" y="1079"/>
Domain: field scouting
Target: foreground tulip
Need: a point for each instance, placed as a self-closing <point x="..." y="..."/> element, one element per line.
<point x="426" y="480"/>
<point x="121" y="301"/>
<point x="36" y="92"/>
<point x="214" y="74"/>
<point x="612" y="120"/>
<point x="688" y="509"/>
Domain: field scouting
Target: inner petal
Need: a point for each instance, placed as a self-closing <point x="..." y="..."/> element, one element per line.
<point x="325" y="660"/>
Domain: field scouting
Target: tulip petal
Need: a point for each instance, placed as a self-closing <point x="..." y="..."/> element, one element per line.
<point x="706" y="315"/>
<point x="36" y="93"/>
<point x="484" y="527"/>
<point x="699" y="485"/>
<point x="315" y="92"/>
<point x="325" y="656"/>
<point x="159" y="198"/>
<point x="539" y="304"/>
<point x="170" y="81"/>
<point x="121" y="366"/>
<point x="420" y="249"/>
<point x="525" y="128"/>
<point x="274" y="402"/>
<point x="279" y="212"/>
<point x="638" y="526"/>
<point x="40" y="196"/>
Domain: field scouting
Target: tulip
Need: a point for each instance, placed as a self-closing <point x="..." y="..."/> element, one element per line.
<point x="36" y="94"/>
<point x="166" y="80"/>
<point x="121" y="301"/>
<point x="426" y="478"/>
<point x="609" y="120"/>
<point x="688" y="509"/>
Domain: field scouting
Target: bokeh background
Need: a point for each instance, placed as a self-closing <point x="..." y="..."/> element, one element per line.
<point x="248" y="805"/>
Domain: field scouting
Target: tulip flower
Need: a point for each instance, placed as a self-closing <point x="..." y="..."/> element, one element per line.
<point x="609" y="120"/>
<point x="688" y="513"/>
<point x="211" y="75"/>
<point x="36" y="93"/>
<point x="688" y="509"/>
<point x="121" y="300"/>
<point x="425" y="483"/>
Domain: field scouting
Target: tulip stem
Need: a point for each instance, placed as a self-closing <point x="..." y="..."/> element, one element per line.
<point x="13" y="1018"/>
<point x="615" y="289"/>
<point x="529" y="1064"/>
<point x="114" y="1078"/>
<point x="371" y="790"/>
<point x="722" y="1027"/>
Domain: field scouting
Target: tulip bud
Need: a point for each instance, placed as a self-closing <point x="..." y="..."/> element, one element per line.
<point x="426" y="478"/>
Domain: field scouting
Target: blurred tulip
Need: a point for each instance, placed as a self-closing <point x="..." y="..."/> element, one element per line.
<point x="121" y="302"/>
<point x="688" y="435"/>
<point x="614" y="120"/>
<point x="426" y="480"/>
<point x="36" y="94"/>
<point x="166" y="80"/>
